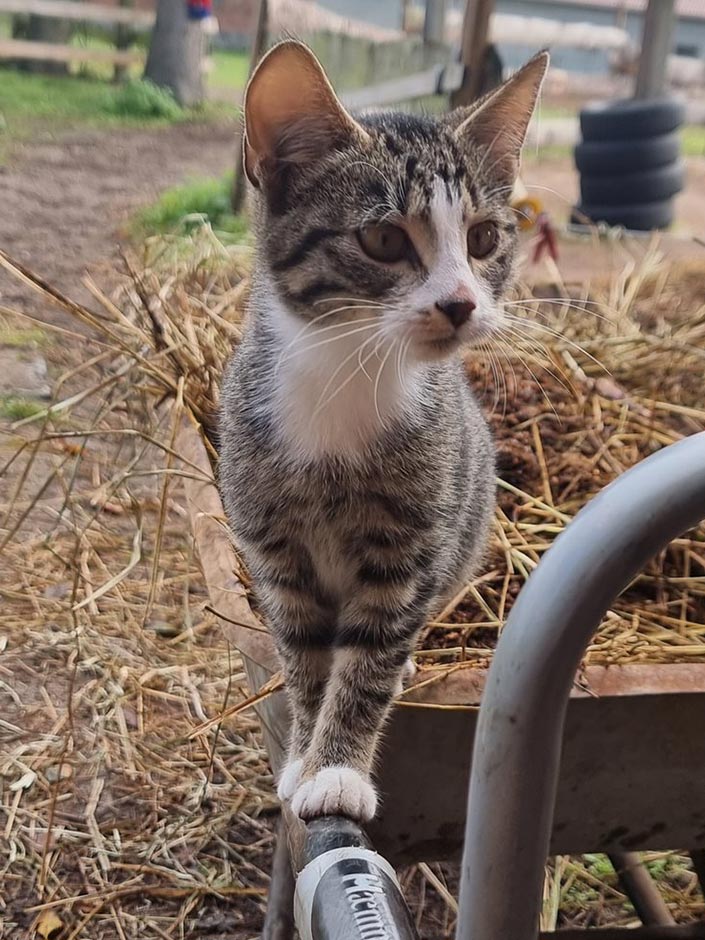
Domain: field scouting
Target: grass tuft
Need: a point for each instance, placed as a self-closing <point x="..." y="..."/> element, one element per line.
<point x="15" y="409"/>
<point x="20" y="338"/>
<point x="188" y="207"/>
<point x="141" y="98"/>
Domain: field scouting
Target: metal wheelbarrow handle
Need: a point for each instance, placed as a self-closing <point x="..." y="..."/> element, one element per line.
<point x="520" y="728"/>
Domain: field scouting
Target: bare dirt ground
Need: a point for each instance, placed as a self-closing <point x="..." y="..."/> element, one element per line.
<point x="64" y="200"/>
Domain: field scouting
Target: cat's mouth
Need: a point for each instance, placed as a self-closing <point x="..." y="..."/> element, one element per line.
<point x="437" y="347"/>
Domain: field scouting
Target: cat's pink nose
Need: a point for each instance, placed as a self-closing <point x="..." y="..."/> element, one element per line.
<point x="458" y="310"/>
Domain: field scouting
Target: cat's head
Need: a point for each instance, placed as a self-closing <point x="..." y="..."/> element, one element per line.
<point x="402" y="216"/>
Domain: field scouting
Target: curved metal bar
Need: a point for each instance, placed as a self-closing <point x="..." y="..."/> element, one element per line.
<point x="519" y="734"/>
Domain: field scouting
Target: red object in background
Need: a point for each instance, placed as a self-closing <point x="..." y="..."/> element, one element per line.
<point x="545" y="238"/>
<point x="199" y="9"/>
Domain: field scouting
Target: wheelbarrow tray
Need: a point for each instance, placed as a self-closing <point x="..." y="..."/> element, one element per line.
<point x="633" y="761"/>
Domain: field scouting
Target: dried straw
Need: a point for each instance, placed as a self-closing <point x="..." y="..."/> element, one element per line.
<point x="126" y="809"/>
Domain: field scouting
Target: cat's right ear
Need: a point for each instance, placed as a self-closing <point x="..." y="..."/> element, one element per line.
<point x="292" y="114"/>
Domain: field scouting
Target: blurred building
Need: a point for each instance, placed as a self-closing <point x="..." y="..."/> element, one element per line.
<point x="689" y="34"/>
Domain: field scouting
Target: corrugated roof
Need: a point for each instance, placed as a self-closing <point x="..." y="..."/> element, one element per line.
<point x="688" y="9"/>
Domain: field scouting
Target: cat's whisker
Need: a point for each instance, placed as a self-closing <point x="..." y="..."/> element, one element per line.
<point x="288" y="354"/>
<point x="536" y="379"/>
<point x="311" y="323"/>
<point x="356" y="321"/>
<point x="507" y="358"/>
<point x="487" y="350"/>
<point x="387" y="204"/>
<point x="498" y="191"/>
<point x="554" y="192"/>
<point x="378" y="379"/>
<point x="371" y="166"/>
<point x="488" y="151"/>
<point x="580" y="305"/>
<point x="404" y="342"/>
<point x="484" y="351"/>
<point x="540" y="350"/>
<point x="534" y="341"/>
<point x="320" y="404"/>
<point x="373" y="214"/>
<point x="306" y="329"/>
<point x="538" y="357"/>
<point x="361" y="364"/>
<point x="406" y="345"/>
<point x="543" y="326"/>
<point x="304" y="350"/>
<point x="502" y="382"/>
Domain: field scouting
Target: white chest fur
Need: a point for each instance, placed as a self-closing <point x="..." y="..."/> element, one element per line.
<point x="338" y="387"/>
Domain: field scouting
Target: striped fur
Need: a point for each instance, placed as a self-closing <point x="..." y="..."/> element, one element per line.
<point x="356" y="468"/>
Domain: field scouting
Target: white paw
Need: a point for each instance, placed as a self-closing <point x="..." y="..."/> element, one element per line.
<point x="335" y="791"/>
<point x="290" y="779"/>
<point x="408" y="671"/>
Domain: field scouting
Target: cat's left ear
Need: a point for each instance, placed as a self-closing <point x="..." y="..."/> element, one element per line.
<point x="500" y="121"/>
<point x="292" y="114"/>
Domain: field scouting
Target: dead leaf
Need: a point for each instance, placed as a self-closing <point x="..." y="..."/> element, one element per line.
<point x="25" y="781"/>
<point x="47" y="924"/>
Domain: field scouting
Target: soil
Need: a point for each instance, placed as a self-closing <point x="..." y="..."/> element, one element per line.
<point x="64" y="200"/>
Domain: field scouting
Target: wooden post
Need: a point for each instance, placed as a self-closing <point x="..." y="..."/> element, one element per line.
<point x="434" y="23"/>
<point x="655" y="48"/>
<point x="124" y="38"/>
<point x="476" y="25"/>
<point x="258" y="46"/>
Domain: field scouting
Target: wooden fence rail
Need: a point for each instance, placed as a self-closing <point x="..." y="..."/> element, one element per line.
<point x="55" y="52"/>
<point x="82" y="12"/>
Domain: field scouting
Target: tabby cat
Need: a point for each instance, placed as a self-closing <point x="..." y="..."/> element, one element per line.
<point x="356" y="469"/>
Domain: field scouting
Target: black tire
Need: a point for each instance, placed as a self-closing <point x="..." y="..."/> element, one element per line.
<point x="640" y="218"/>
<point x="633" y="188"/>
<point x="624" y="120"/>
<point x="627" y="156"/>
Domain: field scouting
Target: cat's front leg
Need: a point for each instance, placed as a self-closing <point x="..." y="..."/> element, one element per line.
<point x="306" y="670"/>
<point x="301" y="619"/>
<point x="367" y="670"/>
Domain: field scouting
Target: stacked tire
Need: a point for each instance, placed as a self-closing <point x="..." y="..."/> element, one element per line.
<point x="629" y="163"/>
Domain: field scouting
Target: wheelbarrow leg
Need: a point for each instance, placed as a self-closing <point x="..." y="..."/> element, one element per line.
<point x="639" y="887"/>
<point x="698" y="858"/>
<point x="279" y="919"/>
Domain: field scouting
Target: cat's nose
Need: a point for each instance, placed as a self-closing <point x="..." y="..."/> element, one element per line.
<point x="457" y="310"/>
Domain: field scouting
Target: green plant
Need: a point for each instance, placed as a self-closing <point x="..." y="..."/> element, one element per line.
<point x="141" y="98"/>
<point x="21" y="337"/>
<point x="198" y="201"/>
<point x="693" y="140"/>
<point x="16" y="408"/>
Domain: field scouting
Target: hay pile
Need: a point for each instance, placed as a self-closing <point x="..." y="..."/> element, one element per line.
<point x="120" y="817"/>
<point x="582" y="385"/>
<point x="129" y="808"/>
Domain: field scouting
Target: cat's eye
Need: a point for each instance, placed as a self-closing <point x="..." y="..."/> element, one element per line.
<point x="385" y="242"/>
<point x="482" y="239"/>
